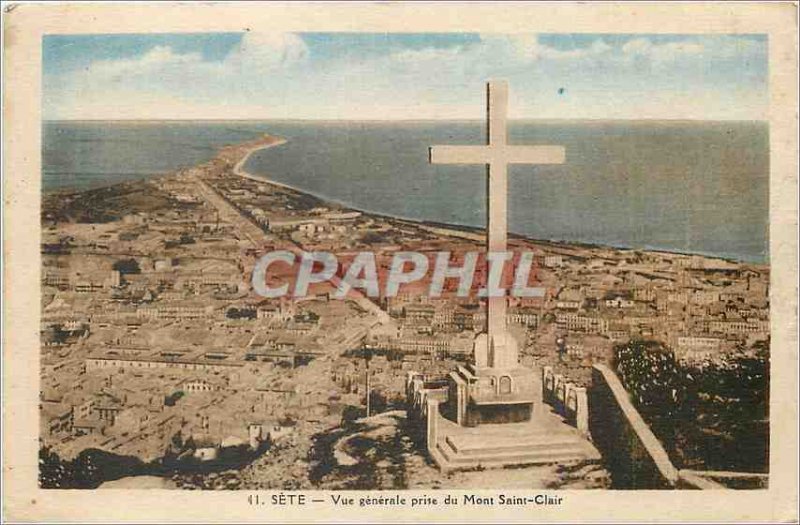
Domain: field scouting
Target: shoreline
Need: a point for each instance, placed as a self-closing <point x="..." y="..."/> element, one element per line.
<point x="475" y="233"/>
<point x="239" y="170"/>
<point x="458" y="230"/>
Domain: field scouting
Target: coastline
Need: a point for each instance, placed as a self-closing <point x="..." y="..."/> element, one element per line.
<point x="455" y="230"/>
<point x="238" y="154"/>
<point x="239" y="170"/>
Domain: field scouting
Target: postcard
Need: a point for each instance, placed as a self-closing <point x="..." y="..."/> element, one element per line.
<point x="399" y="262"/>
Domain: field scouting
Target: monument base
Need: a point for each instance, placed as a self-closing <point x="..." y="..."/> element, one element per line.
<point x="545" y="439"/>
<point x="480" y="395"/>
<point x="497" y="413"/>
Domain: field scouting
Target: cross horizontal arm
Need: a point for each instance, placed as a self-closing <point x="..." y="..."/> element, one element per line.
<point x="491" y="154"/>
<point x="534" y="154"/>
<point x="460" y="155"/>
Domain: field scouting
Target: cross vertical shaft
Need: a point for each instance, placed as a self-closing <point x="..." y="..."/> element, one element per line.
<point x="497" y="195"/>
<point x="497" y="154"/>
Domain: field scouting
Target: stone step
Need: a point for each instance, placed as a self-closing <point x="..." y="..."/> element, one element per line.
<point x="567" y="453"/>
<point x="532" y="444"/>
<point x="563" y="447"/>
<point x="529" y="428"/>
<point x="561" y="458"/>
<point x="439" y="458"/>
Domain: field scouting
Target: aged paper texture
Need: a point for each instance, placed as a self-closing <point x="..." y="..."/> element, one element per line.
<point x="397" y="262"/>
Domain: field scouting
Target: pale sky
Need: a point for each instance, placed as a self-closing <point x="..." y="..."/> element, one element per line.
<point x="403" y="76"/>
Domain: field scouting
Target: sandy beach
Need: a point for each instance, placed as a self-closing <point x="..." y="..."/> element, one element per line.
<point x="239" y="170"/>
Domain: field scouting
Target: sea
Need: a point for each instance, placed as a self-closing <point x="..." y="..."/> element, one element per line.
<point x="680" y="186"/>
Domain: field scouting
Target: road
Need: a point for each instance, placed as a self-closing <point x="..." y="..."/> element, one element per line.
<point x="259" y="238"/>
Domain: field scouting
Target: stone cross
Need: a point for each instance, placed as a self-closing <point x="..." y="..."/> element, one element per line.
<point x="497" y="155"/>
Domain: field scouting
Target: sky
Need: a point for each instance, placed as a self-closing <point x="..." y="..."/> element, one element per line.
<point x="403" y="76"/>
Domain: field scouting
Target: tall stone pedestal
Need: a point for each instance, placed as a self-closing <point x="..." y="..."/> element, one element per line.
<point x="493" y="389"/>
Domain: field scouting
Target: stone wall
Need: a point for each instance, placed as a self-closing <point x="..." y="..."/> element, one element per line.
<point x="632" y="453"/>
<point x="421" y="390"/>
<point x="634" y="456"/>
<point x="567" y="399"/>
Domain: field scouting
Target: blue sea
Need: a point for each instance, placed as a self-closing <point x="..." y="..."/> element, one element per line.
<point x="692" y="187"/>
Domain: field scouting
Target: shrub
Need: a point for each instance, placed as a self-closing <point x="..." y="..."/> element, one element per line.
<point x="711" y="415"/>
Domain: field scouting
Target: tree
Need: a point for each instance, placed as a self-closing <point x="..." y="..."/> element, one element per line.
<point x="378" y="402"/>
<point x="127" y="266"/>
<point x="373" y="238"/>
<point x="54" y="473"/>
<point x="173" y="398"/>
<point x="712" y="415"/>
<point x="350" y="413"/>
<point x="650" y="374"/>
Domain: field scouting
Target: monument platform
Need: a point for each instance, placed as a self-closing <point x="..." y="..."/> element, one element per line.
<point x="488" y="395"/>
<point x="493" y="389"/>
<point x="544" y="439"/>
